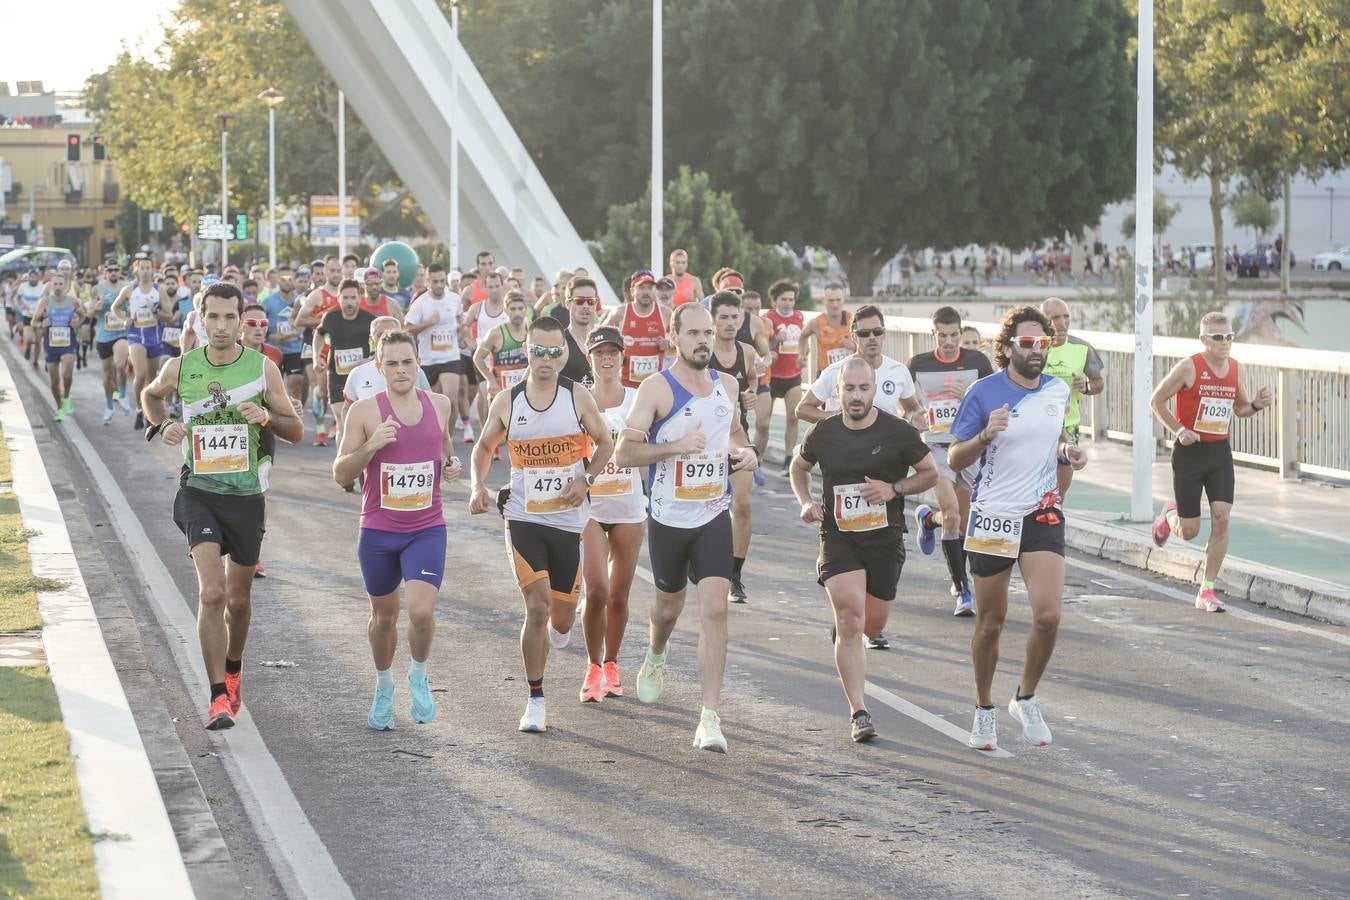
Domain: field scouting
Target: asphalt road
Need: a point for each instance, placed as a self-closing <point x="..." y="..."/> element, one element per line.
<point x="1194" y="755"/>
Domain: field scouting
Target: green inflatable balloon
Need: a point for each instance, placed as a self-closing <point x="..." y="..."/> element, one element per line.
<point x="401" y="253"/>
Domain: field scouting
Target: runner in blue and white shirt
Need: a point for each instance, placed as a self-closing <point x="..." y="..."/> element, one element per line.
<point x="1012" y="422"/>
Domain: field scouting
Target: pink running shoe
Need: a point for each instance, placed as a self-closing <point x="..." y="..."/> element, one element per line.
<point x="1209" y="601"/>
<point x="1161" y="530"/>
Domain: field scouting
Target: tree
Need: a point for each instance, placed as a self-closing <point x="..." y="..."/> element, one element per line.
<point x="1251" y="210"/>
<point x="699" y="220"/>
<point x="1163" y="214"/>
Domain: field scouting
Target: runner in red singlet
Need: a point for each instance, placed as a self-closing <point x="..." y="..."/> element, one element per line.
<point x="785" y="324"/>
<point x="320" y="301"/>
<point x="688" y="288"/>
<point x="644" y="326"/>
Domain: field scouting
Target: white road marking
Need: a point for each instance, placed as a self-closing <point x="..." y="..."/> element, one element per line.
<point x="896" y="702"/>
<point x="296" y="851"/>
<point x="1183" y="596"/>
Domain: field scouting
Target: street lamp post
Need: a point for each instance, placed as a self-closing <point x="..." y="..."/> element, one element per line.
<point x="658" y="195"/>
<point x="272" y="98"/>
<point x="1143" y="451"/>
<point x="452" y="242"/>
<point x="224" y="188"/>
<point x="342" y="174"/>
<point x="1331" y="217"/>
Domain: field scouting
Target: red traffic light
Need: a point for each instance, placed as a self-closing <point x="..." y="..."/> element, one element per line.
<point x="100" y="151"/>
<point x="72" y="148"/>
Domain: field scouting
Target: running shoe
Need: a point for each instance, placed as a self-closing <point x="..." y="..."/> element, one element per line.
<point x="68" y="407"/>
<point x="965" y="606"/>
<point x="332" y="432"/>
<point x="1209" y="601"/>
<point x="708" y="735"/>
<point x="863" y="729"/>
<point x="927" y="536"/>
<point x="535" y="719"/>
<point x="558" y="639"/>
<point x="381" y="716"/>
<point x="259" y="571"/>
<point x="1161" y="529"/>
<point x="759" y="478"/>
<point x="60" y="414"/>
<point x="218" y="716"/>
<point x="738" y="594"/>
<point x="320" y="437"/>
<point x="652" y="676"/>
<point x="593" y="686"/>
<point x="423" y="706"/>
<point x="468" y="431"/>
<point x="880" y="642"/>
<point x="984" y="733"/>
<point x="123" y="401"/>
<point x="139" y="424"/>
<point x="107" y="415"/>
<point x="234" y="689"/>
<point x="613" y="686"/>
<point x="1028" y="712"/>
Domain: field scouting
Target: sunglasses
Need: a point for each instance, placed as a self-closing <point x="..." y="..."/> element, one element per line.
<point x="255" y="323"/>
<point x="1221" y="338"/>
<point x="585" y="301"/>
<point x="550" y="352"/>
<point x="870" y="332"/>
<point x="1032" y="342"/>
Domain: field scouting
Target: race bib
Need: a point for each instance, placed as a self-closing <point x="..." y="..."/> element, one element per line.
<point x="347" y="360"/>
<point x="839" y="354"/>
<point x="407" y="486"/>
<point x="1213" y="415"/>
<point x="146" y="318"/>
<point x="113" y="322"/>
<point x="994" y="535"/>
<point x="173" y="335"/>
<point x="445" y="339"/>
<point x="941" y="414"/>
<point x="700" y="477"/>
<point x="640" y="367"/>
<point x="789" y="344"/>
<point x="219" y="449"/>
<point x="307" y="351"/>
<point x="544" y="488"/>
<point x="58" y="336"/>
<point x="512" y="377"/>
<point x="852" y="512"/>
<point x="285" y="328"/>
<point x="613" y="482"/>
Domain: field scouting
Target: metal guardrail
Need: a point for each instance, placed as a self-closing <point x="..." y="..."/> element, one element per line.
<point x="1306" y="433"/>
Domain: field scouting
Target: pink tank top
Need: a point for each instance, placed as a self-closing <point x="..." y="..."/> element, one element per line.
<point x="403" y="479"/>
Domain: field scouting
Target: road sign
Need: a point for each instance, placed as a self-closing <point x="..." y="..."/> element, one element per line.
<point x="210" y="227"/>
<point x="240" y="226"/>
<point x="324" y="233"/>
<point x="156" y="221"/>
<point x="327" y="205"/>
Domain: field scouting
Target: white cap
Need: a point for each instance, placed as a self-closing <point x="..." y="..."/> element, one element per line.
<point x="455" y="275"/>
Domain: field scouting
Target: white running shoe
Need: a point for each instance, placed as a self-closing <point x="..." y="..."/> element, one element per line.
<point x="708" y="735"/>
<point x="558" y="639"/>
<point x="107" y="415"/>
<point x="125" y="402"/>
<point x="1028" y="712"/>
<point x="984" y="733"/>
<point x="468" y="431"/>
<point x="535" y="719"/>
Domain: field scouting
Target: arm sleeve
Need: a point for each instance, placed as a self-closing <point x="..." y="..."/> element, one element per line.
<point x="970" y="418"/>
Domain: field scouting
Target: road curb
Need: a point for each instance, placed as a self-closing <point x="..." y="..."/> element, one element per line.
<point x="139" y="855"/>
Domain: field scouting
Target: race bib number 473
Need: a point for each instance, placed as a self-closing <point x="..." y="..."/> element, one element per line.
<point x="544" y="488"/>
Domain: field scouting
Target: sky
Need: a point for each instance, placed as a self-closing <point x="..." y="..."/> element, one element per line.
<point x="93" y="34"/>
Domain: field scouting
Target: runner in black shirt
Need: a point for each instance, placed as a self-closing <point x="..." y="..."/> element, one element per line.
<point x="347" y="332"/>
<point x="864" y="457"/>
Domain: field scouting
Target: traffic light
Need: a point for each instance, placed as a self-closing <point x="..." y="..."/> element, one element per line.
<point x="241" y="226"/>
<point x="72" y="148"/>
<point x="100" y="149"/>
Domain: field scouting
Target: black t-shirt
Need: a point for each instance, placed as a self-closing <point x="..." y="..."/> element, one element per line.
<point x="578" y="366"/>
<point x="934" y="378"/>
<point x="346" y="335"/>
<point x="885" y="451"/>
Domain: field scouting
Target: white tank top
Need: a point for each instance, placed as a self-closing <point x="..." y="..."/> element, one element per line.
<point x="616" y="496"/>
<point x="29" y="295"/>
<point x="485" y="323"/>
<point x="691" y="491"/>
<point x="548" y="449"/>
<point x="142" y="307"/>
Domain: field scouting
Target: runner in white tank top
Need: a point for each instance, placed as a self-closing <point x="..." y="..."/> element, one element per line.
<point x="684" y="426"/>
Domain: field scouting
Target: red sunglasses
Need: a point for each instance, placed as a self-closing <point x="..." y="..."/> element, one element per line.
<point x="255" y="323"/>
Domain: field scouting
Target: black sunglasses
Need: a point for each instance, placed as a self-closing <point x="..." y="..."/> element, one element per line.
<point x="870" y="332"/>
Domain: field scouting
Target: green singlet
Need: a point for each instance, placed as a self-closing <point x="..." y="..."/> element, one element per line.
<point x="221" y="451"/>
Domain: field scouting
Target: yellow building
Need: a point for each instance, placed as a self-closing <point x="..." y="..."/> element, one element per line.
<point x="73" y="202"/>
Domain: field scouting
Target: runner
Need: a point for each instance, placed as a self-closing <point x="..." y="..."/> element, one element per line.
<point x="1075" y="362"/>
<point x="737" y="359"/>
<point x="347" y="330"/>
<point x="110" y="340"/>
<point x="58" y="317"/>
<point x="253" y="333"/>
<point x="583" y="307"/>
<point x="400" y="439"/>
<point x="971" y="339"/>
<point x="374" y="299"/>
<point x="27" y="295"/>
<point x="753" y="331"/>
<point x="682" y="425"/>
<point x="943" y="376"/>
<point x="435" y="319"/>
<point x="322" y="300"/>
<point x="785" y="324"/>
<point x="366" y="380"/>
<point x="282" y="333"/>
<point x="643" y="324"/>
<point x="613" y="536"/>
<point x="1012" y="424"/>
<point x="505" y="347"/>
<point x="545" y="421"/>
<point x="230" y="395"/>
<point x="482" y="317"/>
<point x="865" y="458"/>
<point x="831" y="330"/>
<point x="688" y="288"/>
<point x="147" y="307"/>
<point x="396" y="297"/>
<point x="1209" y="393"/>
<point x="172" y="335"/>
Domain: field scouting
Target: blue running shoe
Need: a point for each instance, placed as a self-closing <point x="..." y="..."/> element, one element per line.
<point x="423" y="707"/>
<point x="759" y="478"/>
<point x="965" y="604"/>
<point x="927" y="536"/>
<point x="382" y="709"/>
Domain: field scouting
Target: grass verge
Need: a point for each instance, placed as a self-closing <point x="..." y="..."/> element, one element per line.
<point x="5" y="473"/>
<point x="46" y="849"/>
<point x="18" y="585"/>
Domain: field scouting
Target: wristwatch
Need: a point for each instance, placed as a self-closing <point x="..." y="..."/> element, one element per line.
<point x="898" y="487"/>
<point x="590" y="479"/>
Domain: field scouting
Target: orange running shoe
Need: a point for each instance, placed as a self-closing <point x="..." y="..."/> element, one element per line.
<point x="218" y="717"/>
<point x="321" y="437"/>
<point x="613" y="686"/>
<point x="593" y="688"/>
<point x="234" y="689"/>
<point x="259" y="571"/>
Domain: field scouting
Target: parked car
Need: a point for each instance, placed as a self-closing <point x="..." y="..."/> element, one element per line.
<point x="1253" y="261"/>
<point x="1333" y="259"/>
<point x="25" y="258"/>
<point x="1204" y="256"/>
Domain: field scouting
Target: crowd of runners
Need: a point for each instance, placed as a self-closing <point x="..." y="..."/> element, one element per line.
<point x="619" y="425"/>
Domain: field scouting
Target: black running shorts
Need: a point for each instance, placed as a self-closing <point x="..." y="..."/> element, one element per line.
<point x="1205" y="466"/>
<point x="540" y="551"/>
<point x="880" y="554"/>
<point x="1037" y="537"/>
<point x="234" y="521"/>
<point x="682" y="555"/>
